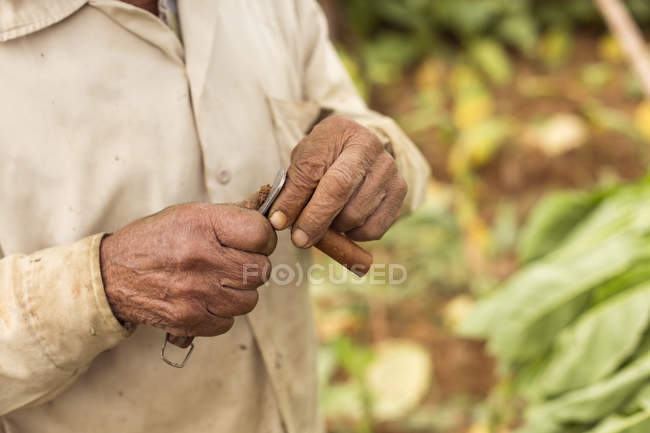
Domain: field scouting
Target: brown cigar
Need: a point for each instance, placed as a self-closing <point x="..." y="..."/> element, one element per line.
<point x="346" y="252"/>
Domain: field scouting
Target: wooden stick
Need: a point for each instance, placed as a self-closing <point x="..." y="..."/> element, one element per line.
<point x="629" y="37"/>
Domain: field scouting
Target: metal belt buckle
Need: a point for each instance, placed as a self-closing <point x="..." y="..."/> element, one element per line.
<point x="181" y="341"/>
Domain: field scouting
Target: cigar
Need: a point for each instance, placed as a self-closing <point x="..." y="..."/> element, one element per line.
<point x="345" y="252"/>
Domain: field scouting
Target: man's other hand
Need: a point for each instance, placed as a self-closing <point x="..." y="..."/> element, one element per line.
<point x="340" y="176"/>
<point x="188" y="269"/>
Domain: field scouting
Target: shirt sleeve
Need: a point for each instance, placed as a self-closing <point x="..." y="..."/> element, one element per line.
<point x="327" y="82"/>
<point x="54" y="320"/>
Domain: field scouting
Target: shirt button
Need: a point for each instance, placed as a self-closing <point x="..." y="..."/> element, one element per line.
<point x="224" y="176"/>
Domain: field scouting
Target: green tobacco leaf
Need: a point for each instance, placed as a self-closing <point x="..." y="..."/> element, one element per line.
<point x="479" y="321"/>
<point x="548" y="426"/>
<point x="552" y="220"/>
<point x="641" y="402"/>
<point x="361" y="16"/>
<point x="590" y="404"/>
<point x="637" y="274"/>
<point x="354" y="70"/>
<point x="387" y="54"/>
<point x="504" y="230"/>
<point x="637" y="423"/>
<point x="465" y="81"/>
<point x="596" y="75"/>
<point x="625" y="212"/>
<point x="582" y="10"/>
<point x="353" y="357"/>
<point x="592" y="348"/>
<point x="610" y="119"/>
<point x="520" y="31"/>
<point x="467" y="17"/>
<point x="545" y="297"/>
<point x="555" y="47"/>
<point x="640" y="9"/>
<point x="478" y="144"/>
<point x="410" y="14"/>
<point x="524" y="316"/>
<point x="493" y="60"/>
<point x="343" y="401"/>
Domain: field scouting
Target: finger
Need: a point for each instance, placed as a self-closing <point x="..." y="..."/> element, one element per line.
<point x="193" y="319"/>
<point x="210" y="325"/>
<point x="332" y="193"/>
<point x="230" y="302"/>
<point x="241" y="270"/>
<point x="243" y="229"/>
<point x="367" y="198"/>
<point x="312" y="159"/>
<point x="380" y="221"/>
<point x="304" y="173"/>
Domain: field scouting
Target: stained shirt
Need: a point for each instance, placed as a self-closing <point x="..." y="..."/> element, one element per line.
<point x="89" y="143"/>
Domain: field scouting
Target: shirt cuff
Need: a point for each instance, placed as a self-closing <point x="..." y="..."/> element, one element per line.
<point x="67" y="306"/>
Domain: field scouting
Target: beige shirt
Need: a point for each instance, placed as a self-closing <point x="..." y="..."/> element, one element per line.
<point x="106" y="117"/>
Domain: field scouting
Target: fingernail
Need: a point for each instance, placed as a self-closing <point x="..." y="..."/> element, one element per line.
<point x="278" y="219"/>
<point x="300" y="238"/>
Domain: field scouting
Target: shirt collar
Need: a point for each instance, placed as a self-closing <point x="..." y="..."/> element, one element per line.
<point x="22" y="17"/>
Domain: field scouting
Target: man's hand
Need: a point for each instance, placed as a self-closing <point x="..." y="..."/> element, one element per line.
<point x="188" y="269"/>
<point x="340" y="176"/>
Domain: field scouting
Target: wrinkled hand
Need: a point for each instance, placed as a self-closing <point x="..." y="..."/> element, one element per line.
<point x="340" y="176"/>
<point x="188" y="269"/>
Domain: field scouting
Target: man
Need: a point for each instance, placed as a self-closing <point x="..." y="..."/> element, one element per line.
<point x="113" y="111"/>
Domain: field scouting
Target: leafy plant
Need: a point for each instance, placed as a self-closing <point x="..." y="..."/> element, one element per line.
<point x="401" y="33"/>
<point x="572" y="328"/>
<point x="554" y="218"/>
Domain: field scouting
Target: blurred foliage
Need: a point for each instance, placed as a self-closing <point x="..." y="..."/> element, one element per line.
<point x="367" y="376"/>
<point x="390" y="35"/>
<point x="510" y="101"/>
<point x="572" y="328"/>
<point x="554" y="218"/>
<point x="464" y="54"/>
